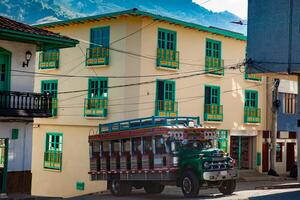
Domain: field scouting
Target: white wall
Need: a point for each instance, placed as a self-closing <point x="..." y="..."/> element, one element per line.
<point x="25" y="82"/>
<point x="19" y="154"/>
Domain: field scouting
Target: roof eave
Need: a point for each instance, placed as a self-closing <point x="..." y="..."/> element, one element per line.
<point x="43" y="42"/>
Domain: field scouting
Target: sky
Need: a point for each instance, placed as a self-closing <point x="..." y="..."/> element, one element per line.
<point x="238" y="7"/>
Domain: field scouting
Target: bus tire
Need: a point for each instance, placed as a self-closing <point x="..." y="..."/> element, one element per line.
<point x="120" y="188"/>
<point x="227" y="187"/>
<point x="190" y="184"/>
<point x="154" y="188"/>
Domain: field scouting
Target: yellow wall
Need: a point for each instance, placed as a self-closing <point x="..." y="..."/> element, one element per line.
<point x="135" y="101"/>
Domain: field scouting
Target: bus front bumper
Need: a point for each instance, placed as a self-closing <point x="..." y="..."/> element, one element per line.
<point x="220" y="175"/>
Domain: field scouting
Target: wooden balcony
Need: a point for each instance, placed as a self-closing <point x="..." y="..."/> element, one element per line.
<point x="252" y="115"/>
<point x="213" y="112"/>
<point x="96" y="107"/>
<point x="97" y="56"/>
<point x="49" y="60"/>
<point x="24" y="104"/>
<point x="167" y="59"/>
<point x="166" y="108"/>
<point x="214" y="66"/>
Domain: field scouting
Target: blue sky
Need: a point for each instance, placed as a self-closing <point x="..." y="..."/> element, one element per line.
<point x="238" y="7"/>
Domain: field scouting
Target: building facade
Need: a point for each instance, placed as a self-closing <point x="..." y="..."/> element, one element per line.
<point x="135" y="64"/>
<point x="286" y="140"/>
<point x="18" y="104"/>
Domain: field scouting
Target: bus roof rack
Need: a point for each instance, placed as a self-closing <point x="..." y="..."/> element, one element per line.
<point x="147" y="122"/>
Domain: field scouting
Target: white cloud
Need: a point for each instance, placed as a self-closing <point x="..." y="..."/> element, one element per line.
<point x="238" y="7"/>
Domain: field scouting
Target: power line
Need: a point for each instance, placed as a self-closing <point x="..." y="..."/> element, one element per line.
<point x="189" y="100"/>
<point x="152" y="81"/>
<point x="150" y="94"/>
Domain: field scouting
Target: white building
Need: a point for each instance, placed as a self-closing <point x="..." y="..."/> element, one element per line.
<point x="18" y="103"/>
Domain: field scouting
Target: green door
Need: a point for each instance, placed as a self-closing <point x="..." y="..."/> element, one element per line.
<point x="3" y="164"/>
<point x="4" y="70"/>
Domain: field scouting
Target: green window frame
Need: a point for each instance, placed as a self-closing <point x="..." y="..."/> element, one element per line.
<point x="49" y="59"/>
<point x="213" y="111"/>
<point x="53" y="151"/>
<point x="251" y="99"/>
<point x="98" y="87"/>
<point x="167" y="39"/>
<point x="99" y="37"/>
<point x="96" y="103"/>
<point x="213" y="57"/>
<point x="213" y="48"/>
<point x="51" y="87"/>
<point x="165" y="98"/>
<point x="212" y="94"/>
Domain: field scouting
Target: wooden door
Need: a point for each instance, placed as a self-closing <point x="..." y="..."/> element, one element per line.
<point x="265" y="157"/>
<point x="290" y="155"/>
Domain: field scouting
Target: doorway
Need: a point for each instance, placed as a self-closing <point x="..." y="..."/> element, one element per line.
<point x="265" y="157"/>
<point x="5" y="57"/>
<point x="290" y="155"/>
<point x="3" y="164"/>
<point x="242" y="151"/>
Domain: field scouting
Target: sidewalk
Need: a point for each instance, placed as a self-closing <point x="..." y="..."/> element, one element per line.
<point x="25" y="197"/>
<point x="252" y="175"/>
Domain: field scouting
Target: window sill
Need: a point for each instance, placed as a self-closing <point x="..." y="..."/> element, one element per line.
<point x="97" y="66"/>
<point x="215" y="75"/>
<point x="253" y="124"/>
<point x="94" y="118"/>
<point x="167" y="68"/>
<point x="253" y="81"/>
<point x="213" y="122"/>
<point x="48" y="69"/>
<point x="52" y="170"/>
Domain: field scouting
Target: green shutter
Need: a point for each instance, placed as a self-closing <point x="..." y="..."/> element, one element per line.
<point x="50" y="87"/>
<point x="251" y="98"/>
<point x="100" y="37"/>
<point x="212" y="94"/>
<point x="14" y="134"/>
<point x="53" y="151"/>
<point x="165" y="98"/>
<point x="213" y="48"/>
<point x="167" y="39"/>
<point x="98" y="87"/>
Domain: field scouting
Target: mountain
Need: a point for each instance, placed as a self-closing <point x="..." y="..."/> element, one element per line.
<point x="42" y="11"/>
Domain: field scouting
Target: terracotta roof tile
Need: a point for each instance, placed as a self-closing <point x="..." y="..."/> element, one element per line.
<point x="8" y="24"/>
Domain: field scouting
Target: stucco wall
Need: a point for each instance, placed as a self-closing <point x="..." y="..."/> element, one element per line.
<point x="75" y="163"/>
<point x="19" y="154"/>
<point x="25" y="82"/>
<point x="134" y="101"/>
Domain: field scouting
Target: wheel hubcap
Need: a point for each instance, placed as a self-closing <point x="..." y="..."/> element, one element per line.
<point x="187" y="185"/>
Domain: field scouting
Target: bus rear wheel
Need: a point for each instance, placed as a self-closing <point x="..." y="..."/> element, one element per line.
<point x="227" y="187"/>
<point x="154" y="188"/>
<point x="120" y="188"/>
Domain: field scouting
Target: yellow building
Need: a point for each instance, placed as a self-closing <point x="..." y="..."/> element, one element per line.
<point x="134" y="64"/>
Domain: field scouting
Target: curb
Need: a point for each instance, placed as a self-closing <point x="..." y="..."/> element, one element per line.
<point x="287" y="186"/>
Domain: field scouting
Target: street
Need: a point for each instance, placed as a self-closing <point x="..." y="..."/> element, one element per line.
<point x="245" y="190"/>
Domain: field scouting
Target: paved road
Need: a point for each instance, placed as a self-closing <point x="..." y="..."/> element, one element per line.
<point x="245" y="190"/>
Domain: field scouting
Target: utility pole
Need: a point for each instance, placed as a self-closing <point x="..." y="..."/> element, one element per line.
<point x="275" y="106"/>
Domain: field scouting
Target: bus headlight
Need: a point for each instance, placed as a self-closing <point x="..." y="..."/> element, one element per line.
<point x="175" y="161"/>
<point x="206" y="165"/>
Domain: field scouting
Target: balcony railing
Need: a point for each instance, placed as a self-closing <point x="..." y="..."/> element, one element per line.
<point x="214" y="66"/>
<point x="213" y="112"/>
<point x="97" y="56"/>
<point x="166" y="108"/>
<point x="53" y="159"/>
<point x="49" y="60"/>
<point x="23" y="104"/>
<point x="168" y="58"/>
<point x="252" y="115"/>
<point x="96" y="107"/>
<point x="253" y="77"/>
